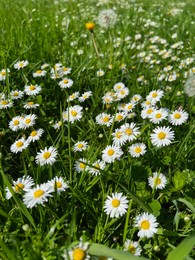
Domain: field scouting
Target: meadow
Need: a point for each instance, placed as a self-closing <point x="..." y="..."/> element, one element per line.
<point x="97" y="129"/>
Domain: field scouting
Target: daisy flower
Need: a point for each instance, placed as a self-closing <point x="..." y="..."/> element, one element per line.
<point x="129" y="107"/>
<point x="80" y="165"/>
<point x="37" y="195"/>
<point x="138" y="149"/>
<point x="118" y="86"/>
<point x="35" y="135"/>
<point x="110" y="153"/>
<point x="136" y="98"/>
<point x="32" y="90"/>
<point x="79" y="252"/>
<point x="155" y="96"/>
<point x="158" y="115"/>
<point x="85" y="96"/>
<point x="146" y="103"/>
<point x="16" y="123"/>
<point x="178" y="117"/>
<point x="162" y="136"/>
<point x="147" y="225"/>
<point x="130" y="130"/>
<point x="157" y="181"/>
<point x="46" y="156"/>
<point x="65" y="70"/>
<point x="21" y="64"/>
<point x="116" y="205"/>
<point x="80" y="146"/>
<point x="73" y="96"/>
<point x="3" y="74"/>
<point x="132" y="247"/>
<point x="122" y="93"/>
<point x="100" y="73"/>
<point x="16" y="94"/>
<point x="119" y="137"/>
<point x="73" y="113"/>
<point x="30" y="105"/>
<point x="107" y="98"/>
<point x="5" y="104"/>
<point x="28" y="120"/>
<point x="96" y="167"/>
<point x="66" y="83"/>
<point x="146" y="112"/>
<point x="39" y="73"/>
<point x="22" y="184"/>
<point x="58" y="184"/>
<point x="19" y="145"/>
<point x="104" y="119"/>
<point x="57" y="125"/>
<point x="120" y="116"/>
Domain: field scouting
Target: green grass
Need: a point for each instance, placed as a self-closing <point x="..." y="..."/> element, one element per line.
<point x="44" y="32"/>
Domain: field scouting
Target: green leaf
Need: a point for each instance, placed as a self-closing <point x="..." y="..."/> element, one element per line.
<point x="188" y="204"/>
<point x="155" y="205"/>
<point x="183" y="249"/>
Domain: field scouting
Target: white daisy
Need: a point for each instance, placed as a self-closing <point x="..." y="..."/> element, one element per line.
<point x="32" y="90"/>
<point x="72" y="114"/>
<point x="80" y="165"/>
<point x="146" y="112"/>
<point x="16" y="123"/>
<point x="85" y="96"/>
<point x="19" y="145"/>
<point x="132" y="247"/>
<point x="104" y="119"/>
<point x="116" y="205"/>
<point x="22" y="184"/>
<point x="35" y="135"/>
<point x="120" y="116"/>
<point x="4" y="73"/>
<point x="30" y="105"/>
<point x="65" y="70"/>
<point x="178" y="117"/>
<point x="162" y="136"/>
<point x="100" y="73"/>
<point x="138" y="149"/>
<point x="5" y="104"/>
<point x="157" y="181"/>
<point x="73" y="96"/>
<point x="39" y="73"/>
<point x="119" y="137"/>
<point x="21" y="64"/>
<point x="110" y="153"/>
<point x="122" y="93"/>
<point x="66" y="83"/>
<point x="37" y="195"/>
<point x="129" y="107"/>
<point x="136" y="98"/>
<point x="79" y="252"/>
<point x="58" y="124"/>
<point x="96" y="167"/>
<point x="46" y="156"/>
<point x="130" y="130"/>
<point x="80" y="146"/>
<point x="158" y="115"/>
<point x="58" y="184"/>
<point x="16" y="94"/>
<point x="28" y="120"/>
<point x="147" y="225"/>
<point x="155" y="96"/>
<point x="119" y="86"/>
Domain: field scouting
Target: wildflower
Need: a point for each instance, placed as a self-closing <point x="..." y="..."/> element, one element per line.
<point x="66" y="83"/>
<point x="157" y="181"/>
<point x="116" y="205"/>
<point x="58" y="184"/>
<point x="80" y="165"/>
<point x="100" y="73"/>
<point x="37" y="195"/>
<point x="119" y="86"/>
<point x="96" y="167"/>
<point x="138" y="149"/>
<point x="80" y="146"/>
<point x="122" y="93"/>
<point x="120" y="116"/>
<point x="90" y="26"/>
<point x="3" y="74"/>
<point x="5" y="104"/>
<point x="73" y="113"/>
<point x="132" y="247"/>
<point x="119" y="137"/>
<point x="129" y="107"/>
<point x="158" y="115"/>
<point x="136" y="98"/>
<point x="189" y="87"/>
<point x="65" y="71"/>
<point x="162" y="136"/>
<point x="85" y="96"/>
<point x="147" y="225"/>
<point x="57" y="125"/>
<point x="19" y="145"/>
<point x="28" y="120"/>
<point x="39" y="73"/>
<point x="22" y="184"/>
<point x="146" y="112"/>
<point x="104" y="119"/>
<point x="46" y="156"/>
<point x="111" y="152"/>
<point x="30" y="105"/>
<point x="178" y="117"/>
<point x="21" y="64"/>
<point x="106" y="18"/>
<point x="32" y="90"/>
<point x="35" y="135"/>
<point x="155" y="96"/>
<point x="131" y="131"/>
<point x="73" y="96"/>
<point x="16" y="123"/>
<point x="79" y="252"/>
<point x="16" y="94"/>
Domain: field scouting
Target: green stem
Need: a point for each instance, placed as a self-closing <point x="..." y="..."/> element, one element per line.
<point x="127" y="220"/>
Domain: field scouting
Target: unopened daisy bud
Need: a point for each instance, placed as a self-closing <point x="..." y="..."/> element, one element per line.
<point x="25" y="227"/>
<point x="90" y="26"/>
<point x="156" y="248"/>
<point x="187" y="219"/>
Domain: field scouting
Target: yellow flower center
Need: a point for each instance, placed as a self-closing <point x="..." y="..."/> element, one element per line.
<point x="65" y="69"/>
<point x="30" y="103"/>
<point x="16" y="122"/>
<point x="82" y="165"/>
<point x="157" y="181"/>
<point x="119" y="117"/>
<point x="147" y="102"/>
<point x="46" y="155"/>
<point x="129" y="107"/>
<point x="80" y="145"/>
<point x="177" y="116"/>
<point x="33" y="133"/>
<point x="110" y="152"/>
<point x="138" y="150"/>
<point x="58" y="184"/>
<point x="132" y="249"/>
<point x="149" y="111"/>
<point x="145" y="224"/>
<point x="19" y="144"/>
<point x="122" y="92"/>
<point x="161" y="135"/>
<point x="105" y="119"/>
<point x="129" y="131"/>
<point x="65" y="81"/>
<point x="97" y="165"/>
<point x="19" y="187"/>
<point x="4" y="102"/>
<point x="115" y="203"/>
<point x="118" y="135"/>
<point x="27" y="121"/>
<point x="73" y="113"/>
<point x="32" y="87"/>
<point x="3" y="73"/>
<point x="78" y="254"/>
<point x="39" y="71"/>
<point x="158" y="115"/>
<point x="15" y="94"/>
<point x="21" y="64"/>
<point x="154" y="94"/>
<point x="118" y="87"/>
<point x="38" y="193"/>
